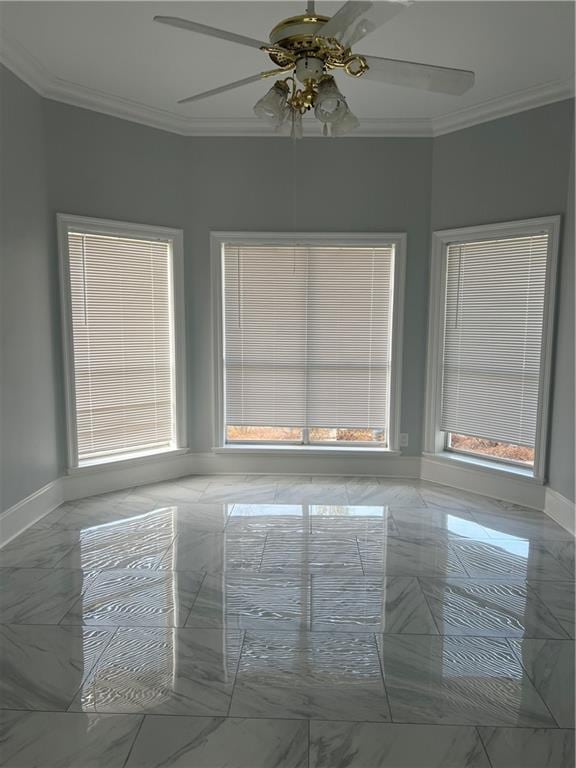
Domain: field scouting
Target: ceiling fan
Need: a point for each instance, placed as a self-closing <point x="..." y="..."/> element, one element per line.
<point x="311" y="46"/>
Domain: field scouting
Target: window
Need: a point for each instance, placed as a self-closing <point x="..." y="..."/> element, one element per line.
<point x="310" y="329"/>
<point x="122" y="328"/>
<point x="490" y="341"/>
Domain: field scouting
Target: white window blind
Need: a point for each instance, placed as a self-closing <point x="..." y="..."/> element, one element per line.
<point x="308" y="335"/>
<point x="123" y="345"/>
<point x="495" y="291"/>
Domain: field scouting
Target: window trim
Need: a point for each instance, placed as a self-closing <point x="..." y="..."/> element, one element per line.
<point x="377" y="239"/>
<point x="434" y="438"/>
<point x="66" y="223"/>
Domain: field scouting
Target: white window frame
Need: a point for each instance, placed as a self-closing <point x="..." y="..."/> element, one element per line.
<point x="376" y="239"/>
<point x="68" y="223"/>
<point x="434" y="437"/>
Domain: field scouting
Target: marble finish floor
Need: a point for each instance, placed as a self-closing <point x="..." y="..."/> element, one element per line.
<point x="288" y="622"/>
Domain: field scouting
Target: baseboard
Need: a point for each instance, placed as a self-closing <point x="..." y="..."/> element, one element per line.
<point x="517" y="490"/>
<point x="561" y="510"/>
<point x="121" y="475"/>
<point x="125" y="474"/>
<point x="377" y="466"/>
<point x="16" y="519"/>
<point x="93" y="480"/>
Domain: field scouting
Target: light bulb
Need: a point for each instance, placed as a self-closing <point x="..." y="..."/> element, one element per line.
<point x="330" y="105"/>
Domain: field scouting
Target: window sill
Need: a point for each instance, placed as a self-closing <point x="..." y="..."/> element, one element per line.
<point x="485" y="465"/>
<point x="130" y="460"/>
<point x="306" y="450"/>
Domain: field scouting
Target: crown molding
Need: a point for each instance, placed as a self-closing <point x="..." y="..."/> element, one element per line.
<point x="27" y="67"/>
<point x="503" y="106"/>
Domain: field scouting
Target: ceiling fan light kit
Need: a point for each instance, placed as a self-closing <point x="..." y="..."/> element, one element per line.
<point x="310" y="47"/>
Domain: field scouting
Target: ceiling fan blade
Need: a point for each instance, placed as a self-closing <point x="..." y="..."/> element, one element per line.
<point x="414" y="75"/>
<point x="222" y="88"/>
<point x="355" y="20"/>
<point x="202" y="29"/>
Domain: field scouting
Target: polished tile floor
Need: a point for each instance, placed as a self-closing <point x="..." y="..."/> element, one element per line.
<point x="294" y="622"/>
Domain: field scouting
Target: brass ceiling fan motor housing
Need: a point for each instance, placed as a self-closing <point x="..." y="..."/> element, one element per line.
<point x="297" y="35"/>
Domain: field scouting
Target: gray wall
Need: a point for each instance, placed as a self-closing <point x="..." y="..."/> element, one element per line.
<point x="105" y="167"/>
<point x="516" y="168"/>
<point x="561" y="471"/>
<point x="29" y="433"/>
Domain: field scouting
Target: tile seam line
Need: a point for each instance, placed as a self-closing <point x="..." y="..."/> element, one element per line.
<point x="477" y="729"/>
<point x="236" y="674"/>
<point x="65" y="712"/>
<point x="529" y="676"/>
<point x="425" y="596"/>
<point x="202" y="581"/>
<point x="381" y="665"/>
<point x="93" y="667"/>
<point x="136" y="735"/>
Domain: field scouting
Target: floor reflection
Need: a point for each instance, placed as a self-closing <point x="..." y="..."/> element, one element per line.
<point x="428" y="609"/>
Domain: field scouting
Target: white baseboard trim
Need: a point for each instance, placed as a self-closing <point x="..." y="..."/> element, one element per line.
<point x="126" y="474"/>
<point x="561" y="510"/>
<point x="506" y="487"/>
<point x="230" y="464"/>
<point x="122" y="475"/>
<point x="16" y="519"/>
<point x="90" y="481"/>
<point x="119" y="475"/>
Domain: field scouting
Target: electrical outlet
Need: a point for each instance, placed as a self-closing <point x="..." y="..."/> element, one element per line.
<point x="403" y="440"/>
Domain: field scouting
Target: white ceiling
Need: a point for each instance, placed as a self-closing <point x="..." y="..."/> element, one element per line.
<point x="112" y="57"/>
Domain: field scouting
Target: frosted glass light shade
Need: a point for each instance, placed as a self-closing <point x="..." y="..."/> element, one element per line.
<point x="330" y="104"/>
<point x="348" y="122"/>
<point x="273" y="106"/>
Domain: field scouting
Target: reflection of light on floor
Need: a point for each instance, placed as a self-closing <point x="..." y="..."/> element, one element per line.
<point x="300" y="510"/>
<point x="161" y="514"/>
<point x="513" y="544"/>
<point x="479" y="660"/>
<point x="459" y="526"/>
<point x="153" y="674"/>
<point x="124" y="547"/>
<point x="267" y="510"/>
<point x="335" y="511"/>
<point x="284" y="602"/>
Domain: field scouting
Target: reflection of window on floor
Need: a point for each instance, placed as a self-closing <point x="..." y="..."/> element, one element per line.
<point x="480" y="446"/>
<point x="134" y="542"/>
<point x="460" y="526"/>
<point x="318" y="657"/>
<point x="513" y="545"/>
<point x="483" y="607"/>
<point x="138" y="675"/>
<point x="370" y="513"/>
<point x="263" y="511"/>
<point x="299" y="597"/>
<point x="485" y="665"/>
